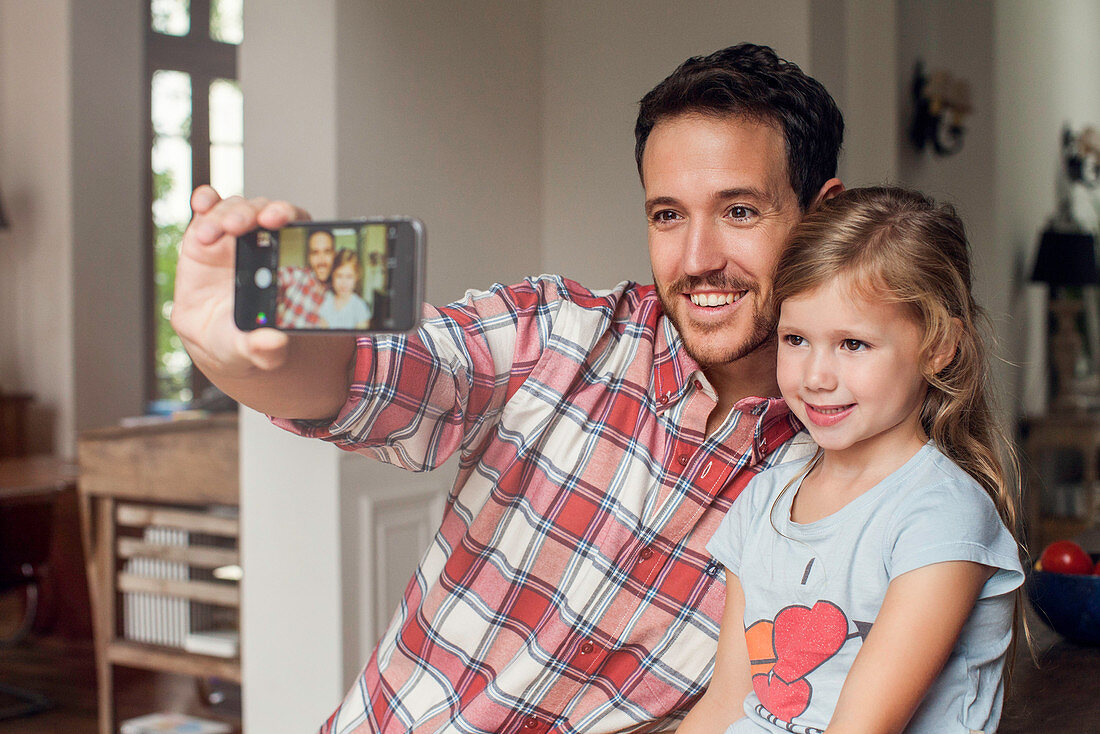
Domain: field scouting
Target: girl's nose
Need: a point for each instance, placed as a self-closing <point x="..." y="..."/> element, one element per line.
<point x="820" y="374"/>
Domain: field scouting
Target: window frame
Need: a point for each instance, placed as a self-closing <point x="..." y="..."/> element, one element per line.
<point x="205" y="60"/>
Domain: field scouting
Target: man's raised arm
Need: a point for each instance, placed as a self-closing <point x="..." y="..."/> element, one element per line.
<point x="289" y="377"/>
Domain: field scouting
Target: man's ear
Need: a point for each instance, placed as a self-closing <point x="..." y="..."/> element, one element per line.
<point x="947" y="348"/>
<point x="828" y="190"/>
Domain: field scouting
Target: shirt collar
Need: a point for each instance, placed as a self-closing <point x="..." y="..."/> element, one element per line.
<point x="672" y="366"/>
<point x="673" y="371"/>
<point x="775" y="423"/>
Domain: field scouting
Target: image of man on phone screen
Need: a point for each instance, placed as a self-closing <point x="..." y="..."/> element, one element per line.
<point x="603" y="434"/>
<point x="302" y="290"/>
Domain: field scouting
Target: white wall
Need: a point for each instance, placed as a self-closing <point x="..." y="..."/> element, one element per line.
<point x="870" y="95"/>
<point x="108" y="211"/>
<point x="291" y="653"/>
<point x="354" y="108"/>
<point x="70" y="173"/>
<point x="36" y="263"/>
<point x="1048" y="74"/>
<point x="958" y="37"/>
<point x="598" y="60"/>
<point x="438" y="116"/>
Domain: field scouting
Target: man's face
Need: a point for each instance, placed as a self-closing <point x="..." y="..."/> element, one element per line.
<point x="322" y="251"/>
<point x="719" y="207"/>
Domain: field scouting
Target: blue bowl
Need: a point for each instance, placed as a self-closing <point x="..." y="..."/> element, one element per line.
<point x="1068" y="603"/>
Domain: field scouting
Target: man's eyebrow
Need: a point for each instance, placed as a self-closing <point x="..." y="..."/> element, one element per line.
<point x="661" y="201"/>
<point x="739" y="192"/>
<point x="746" y="192"/>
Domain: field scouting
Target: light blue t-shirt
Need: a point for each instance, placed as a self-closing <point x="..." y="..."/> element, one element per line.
<point x="354" y="313"/>
<point x="812" y="591"/>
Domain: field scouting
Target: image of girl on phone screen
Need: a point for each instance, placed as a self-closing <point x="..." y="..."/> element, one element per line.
<point x="343" y="307"/>
<point x="874" y="586"/>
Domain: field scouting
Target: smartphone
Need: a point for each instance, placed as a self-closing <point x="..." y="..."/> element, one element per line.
<point x="351" y="275"/>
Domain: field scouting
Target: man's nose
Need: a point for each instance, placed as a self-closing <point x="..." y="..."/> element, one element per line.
<point x="703" y="249"/>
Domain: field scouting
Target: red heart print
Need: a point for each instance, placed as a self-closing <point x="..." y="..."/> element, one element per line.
<point x="805" y="638"/>
<point x="785" y="700"/>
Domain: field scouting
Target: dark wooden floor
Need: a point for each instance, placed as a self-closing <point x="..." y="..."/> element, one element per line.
<point x="64" y="671"/>
<point x="1062" y="695"/>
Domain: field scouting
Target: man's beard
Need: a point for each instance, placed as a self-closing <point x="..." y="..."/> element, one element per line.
<point x="763" y="324"/>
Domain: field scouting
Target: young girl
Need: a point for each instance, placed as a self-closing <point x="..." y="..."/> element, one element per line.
<point x="343" y="308"/>
<point x="872" y="588"/>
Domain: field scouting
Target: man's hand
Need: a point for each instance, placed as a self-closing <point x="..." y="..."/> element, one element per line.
<point x="260" y="368"/>
<point x="203" y="311"/>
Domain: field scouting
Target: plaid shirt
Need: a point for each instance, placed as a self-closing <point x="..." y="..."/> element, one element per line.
<point x="300" y="298"/>
<point x="568" y="588"/>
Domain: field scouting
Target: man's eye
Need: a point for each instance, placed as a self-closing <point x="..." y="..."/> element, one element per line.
<point x="853" y="345"/>
<point x="665" y="215"/>
<point x="740" y="211"/>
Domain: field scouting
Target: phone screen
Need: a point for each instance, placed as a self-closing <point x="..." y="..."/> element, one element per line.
<point x="358" y="275"/>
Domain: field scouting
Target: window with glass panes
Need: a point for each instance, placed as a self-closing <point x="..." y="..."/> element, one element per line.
<point x="195" y="137"/>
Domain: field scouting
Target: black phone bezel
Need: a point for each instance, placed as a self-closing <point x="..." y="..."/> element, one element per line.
<point x="405" y="241"/>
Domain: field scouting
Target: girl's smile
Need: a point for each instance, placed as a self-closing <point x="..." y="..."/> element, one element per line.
<point x="825" y="415"/>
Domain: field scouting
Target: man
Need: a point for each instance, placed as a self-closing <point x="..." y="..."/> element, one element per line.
<point x="603" y="435"/>
<point x="301" y="290"/>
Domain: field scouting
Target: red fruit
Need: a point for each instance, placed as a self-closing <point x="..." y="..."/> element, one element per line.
<point x="1065" y="556"/>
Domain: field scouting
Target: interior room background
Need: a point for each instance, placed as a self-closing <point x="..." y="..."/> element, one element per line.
<point x="506" y="125"/>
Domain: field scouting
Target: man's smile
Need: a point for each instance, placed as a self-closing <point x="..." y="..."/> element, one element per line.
<point x="712" y="299"/>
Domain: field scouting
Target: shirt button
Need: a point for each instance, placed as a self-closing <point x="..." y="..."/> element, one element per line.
<point x="531" y="723"/>
<point x="682" y="459"/>
<point x="698" y="385"/>
<point x="662" y="399"/>
<point x="587" y="647"/>
<point x="646" y="553"/>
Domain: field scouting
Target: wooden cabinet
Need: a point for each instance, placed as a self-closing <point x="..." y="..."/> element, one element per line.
<point x="13" y="424"/>
<point x="1065" y="438"/>
<point x="163" y="496"/>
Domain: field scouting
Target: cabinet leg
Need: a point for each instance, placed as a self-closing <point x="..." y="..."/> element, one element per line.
<point x="105" y="692"/>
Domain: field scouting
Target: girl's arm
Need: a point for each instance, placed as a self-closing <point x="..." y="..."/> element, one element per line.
<point x="921" y="617"/>
<point x="723" y="703"/>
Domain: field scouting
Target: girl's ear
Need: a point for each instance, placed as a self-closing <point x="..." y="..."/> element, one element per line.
<point x="947" y="348"/>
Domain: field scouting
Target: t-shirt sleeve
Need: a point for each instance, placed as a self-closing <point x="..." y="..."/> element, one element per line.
<point x="954" y="520"/>
<point x="728" y="542"/>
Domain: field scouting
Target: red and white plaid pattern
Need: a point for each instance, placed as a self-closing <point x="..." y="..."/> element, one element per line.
<point x="300" y="297"/>
<point x="568" y="588"/>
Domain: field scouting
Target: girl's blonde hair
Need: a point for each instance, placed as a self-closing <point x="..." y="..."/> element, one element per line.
<point x="345" y="256"/>
<point x="895" y="245"/>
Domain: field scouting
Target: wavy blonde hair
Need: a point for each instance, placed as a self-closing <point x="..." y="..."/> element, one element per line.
<point x="896" y="245"/>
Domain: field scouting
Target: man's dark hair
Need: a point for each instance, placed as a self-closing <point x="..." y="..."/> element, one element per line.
<point x="751" y="81"/>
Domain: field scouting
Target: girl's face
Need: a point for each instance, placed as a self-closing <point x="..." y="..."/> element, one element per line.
<point x="343" y="279"/>
<point x="850" y="369"/>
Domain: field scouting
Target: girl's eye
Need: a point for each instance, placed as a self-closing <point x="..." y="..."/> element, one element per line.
<point x="853" y="345"/>
<point x="793" y="339"/>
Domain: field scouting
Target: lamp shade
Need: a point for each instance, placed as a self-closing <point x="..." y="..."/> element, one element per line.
<point x="1066" y="259"/>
